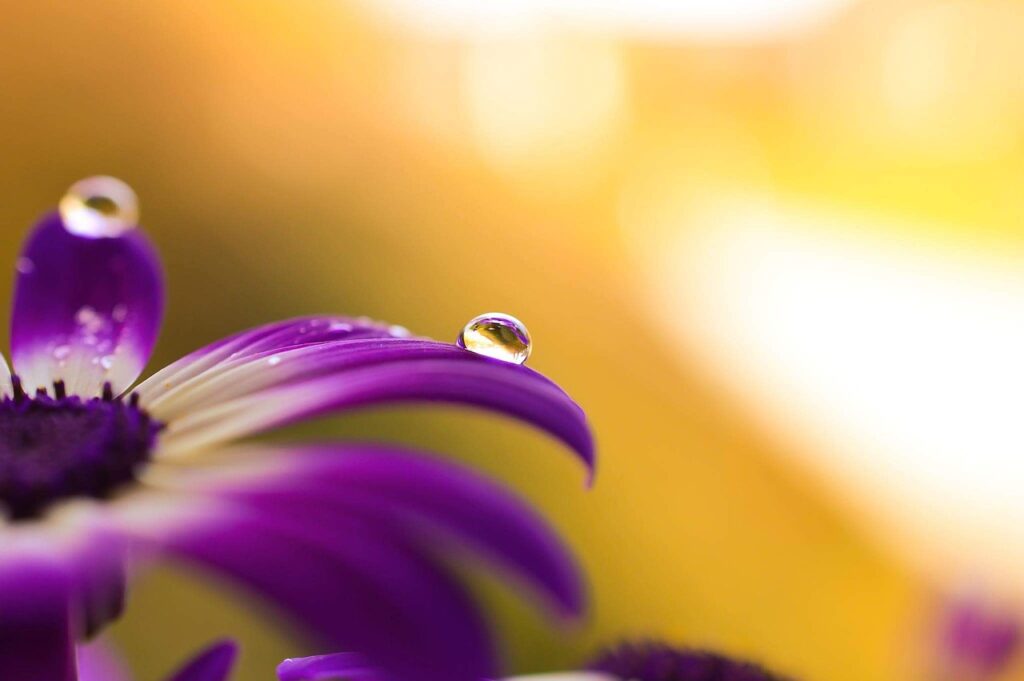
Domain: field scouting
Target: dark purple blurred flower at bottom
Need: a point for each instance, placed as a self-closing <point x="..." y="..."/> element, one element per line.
<point x="653" y="661"/>
<point x="976" y="641"/>
<point x="351" y="542"/>
<point x="648" y="661"/>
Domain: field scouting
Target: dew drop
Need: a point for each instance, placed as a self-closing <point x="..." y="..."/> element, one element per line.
<point x="62" y="352"/>
<point x="89" y="321"/>
<point x="99" y="206"/>
<point x="274" y="361"/>
<point x="496" y="335"/>
<point x="107" y="362"/>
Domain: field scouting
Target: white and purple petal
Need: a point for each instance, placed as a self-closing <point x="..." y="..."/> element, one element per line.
<point x="290" y="386"/>
<point x="5" y="377"/>
<point x="420" y="496"/>
<point x="334" y="667"/>
<point x="353" y="667"/>
<point x="86" y="310"/>
<point x="204" y="364"/>
<point x="346" y="584"/>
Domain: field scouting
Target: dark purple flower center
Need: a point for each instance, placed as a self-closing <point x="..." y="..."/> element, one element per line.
<point x="652" y="661"/>
<point x="60" y="446"/>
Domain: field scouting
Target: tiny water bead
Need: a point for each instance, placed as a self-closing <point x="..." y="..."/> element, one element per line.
<point x="98" y="207"/>
<point x="497" y="335"/>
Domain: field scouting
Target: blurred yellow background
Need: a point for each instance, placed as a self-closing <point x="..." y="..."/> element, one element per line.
<point x="425" y="162"/>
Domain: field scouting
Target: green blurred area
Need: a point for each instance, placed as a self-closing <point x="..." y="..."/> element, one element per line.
<point x="277" y="179"/>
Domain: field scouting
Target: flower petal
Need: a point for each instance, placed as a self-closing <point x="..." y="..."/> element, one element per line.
<point x="82" y="536"/>
<point x="98" y="661"/>
<point x="354" y="586"/>
<point x="308" y="382"/>
<point x="5" y="377"/>
<point x="98" y="579"/>
<point x="214" y="663"/>
<point x="86" y="311"/>
<point x="336" y="667"/>
<point x="179" y="378"/>
<point x="566" y="676"/>
<point x="35" y="620"/>
<point x="422" y="496"/>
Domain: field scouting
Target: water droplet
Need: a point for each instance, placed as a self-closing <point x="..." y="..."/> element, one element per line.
<point x="120" y="312"/>
<point x="107" y="362"/>
<point x="99" y="206"/>
<point x="61" y="352"/>
<point x="399" y="331"/>
<point x="496" y="335"/>
<point x="90" y="321"/>
<point x="25" y="266"/>
<point x="274" y="361"/>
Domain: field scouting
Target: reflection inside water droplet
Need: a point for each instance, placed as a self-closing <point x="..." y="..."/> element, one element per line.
<point x="99" y="206"/>
<point x="497" y="335"/>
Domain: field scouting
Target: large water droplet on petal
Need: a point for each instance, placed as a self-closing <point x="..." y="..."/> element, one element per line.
<point x="496" y="335"/>
<point x="99" y="206"/>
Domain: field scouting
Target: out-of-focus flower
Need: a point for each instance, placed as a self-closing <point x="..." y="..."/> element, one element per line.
<point x="344" y="538"/>
<point x="976" y="641"/>
<point x="649" y="661"/>
<point x="97" y="662"/>
<point x="654" y="661"/>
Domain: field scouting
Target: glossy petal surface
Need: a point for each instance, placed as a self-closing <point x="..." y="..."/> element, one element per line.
<point x="86" y="311"/>
<point x="212" y="664"/>
<point x="292" y="385"/>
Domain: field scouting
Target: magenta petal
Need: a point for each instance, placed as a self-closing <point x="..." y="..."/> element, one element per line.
<point x="98" y="579"/>
<point x="277" y="336"/>
<point x="336" y="667"/>
<point x="426" y="499"/>
<point x="35" y="621"/>
<point x="353" y="586"/>
<point x="212" y="664"/>
<point x="86" y="311"/>
<point x="347" y="375"/>
<point x="97" y="661"/>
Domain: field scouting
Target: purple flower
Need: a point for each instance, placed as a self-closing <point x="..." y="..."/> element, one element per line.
<point x="649" y="661"/>
<point x="978" y="641"/>
<point x="655" y="661"/>
<point x="97" y="662"/>
<point x="346" y="540"/>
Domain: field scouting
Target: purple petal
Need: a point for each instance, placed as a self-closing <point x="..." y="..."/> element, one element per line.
<point x="307" y="382"/>
<point x="425" y="497"/>
<point x="35" y="621"/>
<point x="293" y="333"/>
<point x="355" y="587"/>
<point x="657" y="660"/>
<point x="336" y="667"/>
<point x="86" y="311"/>
<point x="98" y="661"/>
<point x="5" y="377"/>
<point x="212" y="664"/>
<point x="98" y="580"/>
<point x="980" y="638"/>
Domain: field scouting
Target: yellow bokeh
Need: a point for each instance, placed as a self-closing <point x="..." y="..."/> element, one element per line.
<point x="326" y="156"/>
